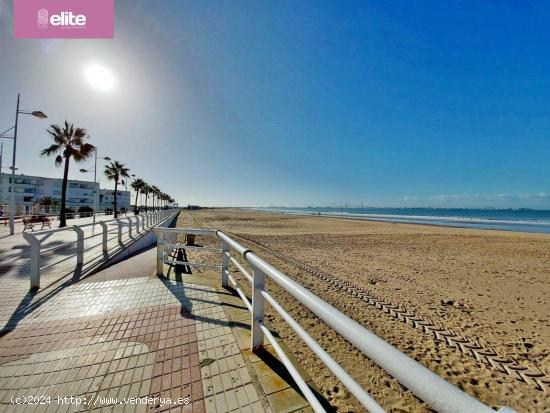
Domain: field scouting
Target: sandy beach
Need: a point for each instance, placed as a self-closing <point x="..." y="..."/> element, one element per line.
<point x="487" y="289"/>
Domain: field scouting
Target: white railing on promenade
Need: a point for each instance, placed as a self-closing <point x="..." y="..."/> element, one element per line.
<point x="439" y="394"/>
<point x="55" y="215"/>
<point x="139" y="223"/>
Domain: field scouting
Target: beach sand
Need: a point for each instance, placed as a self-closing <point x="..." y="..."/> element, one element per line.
<point x="490" y="287"/>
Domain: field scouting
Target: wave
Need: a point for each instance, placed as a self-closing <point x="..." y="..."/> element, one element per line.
<point x="470" y="220"/>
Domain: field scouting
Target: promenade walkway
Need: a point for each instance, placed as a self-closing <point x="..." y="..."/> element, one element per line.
<point x="15" y="252"/>
<point x="125" y="340"/>
<point x="122" y="334"/>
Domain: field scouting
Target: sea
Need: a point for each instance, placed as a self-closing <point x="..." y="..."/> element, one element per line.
<point x="522" y="220"/>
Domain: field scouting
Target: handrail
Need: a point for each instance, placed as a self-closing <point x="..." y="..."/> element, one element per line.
<point x="434" y="390"/>
<point x="35" y="238"/>
<point x="69" y="215"/>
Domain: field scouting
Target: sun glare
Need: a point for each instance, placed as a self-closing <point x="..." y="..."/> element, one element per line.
<point x="100" y="77"/>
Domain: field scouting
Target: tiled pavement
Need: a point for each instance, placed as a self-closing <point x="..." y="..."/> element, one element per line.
<point x="105" y="338"/>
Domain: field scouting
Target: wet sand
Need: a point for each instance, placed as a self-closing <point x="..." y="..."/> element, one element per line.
<point x="489" y="286"/>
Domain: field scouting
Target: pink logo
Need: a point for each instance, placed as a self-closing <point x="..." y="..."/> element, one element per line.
<point x="64" y="19"/>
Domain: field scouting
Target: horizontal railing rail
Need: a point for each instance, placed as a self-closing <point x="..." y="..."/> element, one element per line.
<point x="18" y="218"/>
<point x="428" y="386"/>
<point x="120" y="227"/>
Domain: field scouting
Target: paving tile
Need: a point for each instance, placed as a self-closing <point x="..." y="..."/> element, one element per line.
<point x="272" y="384"/>
<point x="287" y="400"/>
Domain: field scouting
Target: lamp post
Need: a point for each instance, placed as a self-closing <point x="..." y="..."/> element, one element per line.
<point x="132" y="177"/>
<point x="96" y="193"/>
<point x="37" y="114"/>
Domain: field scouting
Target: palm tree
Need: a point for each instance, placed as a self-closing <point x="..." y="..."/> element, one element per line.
<point x="145" y="191"/>
<point x="137" y="185"/>
<point x="70" y="142"/>
<point x="155" y="191"/>
<point x="47" y="203"/>
<point x="115" y="171"/>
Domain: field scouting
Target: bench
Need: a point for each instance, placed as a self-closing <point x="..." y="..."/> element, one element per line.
<point x="29" y="223"/>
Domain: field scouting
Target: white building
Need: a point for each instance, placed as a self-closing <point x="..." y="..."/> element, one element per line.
<point x="28" y="190"/>
<point x="107" y="199"/>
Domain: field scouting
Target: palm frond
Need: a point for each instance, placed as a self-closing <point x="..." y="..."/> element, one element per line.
<point x="70" y="142"/>
<point x="84" y="152"/>
<point x="52" y="149"/>
<point x="116" y="170"/>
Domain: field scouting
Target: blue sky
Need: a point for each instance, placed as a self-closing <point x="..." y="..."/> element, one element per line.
<point x="299" y="103"/>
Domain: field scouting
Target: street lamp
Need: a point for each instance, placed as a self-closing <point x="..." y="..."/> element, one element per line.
<point x="37" y="114"/>
<point x="96" y="193"/>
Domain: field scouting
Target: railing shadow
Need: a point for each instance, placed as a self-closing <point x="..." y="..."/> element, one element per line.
<point x="30" y="302"/>
<point x="27" y="305"/>
<point x="178" y="290"/>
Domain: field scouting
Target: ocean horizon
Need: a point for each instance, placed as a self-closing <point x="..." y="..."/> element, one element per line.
<point x="506" y="219"/>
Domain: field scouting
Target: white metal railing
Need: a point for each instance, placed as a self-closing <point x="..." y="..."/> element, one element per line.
<point x="110" y="230"/>
<point x="55" y="215"/>
<point x="69" y="215"/>
<point x="428" y="386"/>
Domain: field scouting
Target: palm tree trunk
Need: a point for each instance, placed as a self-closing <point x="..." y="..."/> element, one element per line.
<point x="135" y="206"/>
<point x="63" y="214"/>
<point x="116" y="188"/>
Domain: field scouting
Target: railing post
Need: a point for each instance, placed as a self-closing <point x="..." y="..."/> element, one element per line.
<point x="104" y="238"/>
<point x="257" y="309"/>
<point x="225" y="264"/>
<point x="79" y="244"/>
<point x="119" y="223"/>
<point x="35" y="259"/>
<point x="160" y="250"/>
<point x="129" y="226"/>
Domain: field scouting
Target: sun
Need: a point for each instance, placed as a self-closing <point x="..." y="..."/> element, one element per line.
<point x="99" y="77"/>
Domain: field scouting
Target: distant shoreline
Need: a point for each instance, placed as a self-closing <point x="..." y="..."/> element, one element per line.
<point x="539" y="223"/>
